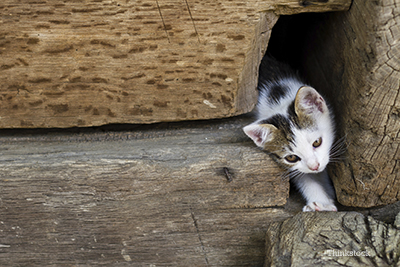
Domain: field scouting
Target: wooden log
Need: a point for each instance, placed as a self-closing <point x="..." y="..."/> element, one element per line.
<point x="332" y="239"/>
<point x="181" y="195"/>
<point x="355" y="57"/>
<point x="86" y="63"/>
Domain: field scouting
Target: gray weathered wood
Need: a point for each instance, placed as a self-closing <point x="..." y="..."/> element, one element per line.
<point x="332" y="239"/>
<point x="86" y="63"/>
<point x="155" y="195"/>
<point x="355" y="57"/>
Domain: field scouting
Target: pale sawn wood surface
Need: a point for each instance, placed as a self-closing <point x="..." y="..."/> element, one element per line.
<point x="90" y="63"/>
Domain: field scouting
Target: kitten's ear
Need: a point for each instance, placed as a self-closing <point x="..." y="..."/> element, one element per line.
<point x="308" y="101"/>
<point x="260" y="133"/>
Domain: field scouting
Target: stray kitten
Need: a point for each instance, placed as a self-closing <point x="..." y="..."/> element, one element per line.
<point x="295" y="127"/>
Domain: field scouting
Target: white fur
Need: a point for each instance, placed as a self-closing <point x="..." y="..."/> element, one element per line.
<point x="317" y="191"/>
<point x="303" y="148"/>
<point x="315" y="186"/>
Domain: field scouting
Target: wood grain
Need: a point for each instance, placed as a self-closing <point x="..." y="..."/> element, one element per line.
<point x="362" y="79"/>
<point x="87" y="63"/>
<point x="144" y="196"/>
<point x="332" y="239"/>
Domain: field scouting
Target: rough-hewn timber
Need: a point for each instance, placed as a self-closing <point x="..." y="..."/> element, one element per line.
<point x="85" y="63"/>
<point x="355" y="56"/>
<point x="184" y="195"/>
<point x="333" y="239"/>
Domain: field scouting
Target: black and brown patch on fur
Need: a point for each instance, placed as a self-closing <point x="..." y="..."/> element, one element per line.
<point x="283" y="136"/>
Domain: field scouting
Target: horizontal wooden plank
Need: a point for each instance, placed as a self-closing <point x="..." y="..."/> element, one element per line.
<point x="149" y="195"/>
<point x="68" y="63"/>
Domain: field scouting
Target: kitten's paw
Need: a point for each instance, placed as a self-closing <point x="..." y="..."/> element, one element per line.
<point x="316" y="206"/>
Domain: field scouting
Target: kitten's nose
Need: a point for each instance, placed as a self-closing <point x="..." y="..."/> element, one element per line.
<point x="314" y="166"/>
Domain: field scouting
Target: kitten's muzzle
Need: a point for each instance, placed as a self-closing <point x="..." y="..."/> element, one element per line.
<point x="313" y="166"/>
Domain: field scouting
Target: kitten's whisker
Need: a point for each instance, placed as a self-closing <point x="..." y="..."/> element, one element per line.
<point x="340" y="140"/>
<point x="337" y="161"/>
<point x="296" y="174"/>
<point x="338" y="158"/>
<point x="338" y="148"/>
<point x="284" y="176"/>
<point x="342" y="146"/>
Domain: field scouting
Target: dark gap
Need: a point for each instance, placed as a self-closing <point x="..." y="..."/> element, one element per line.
<point x="120" y="130"/>
<point x="291" y="39"/>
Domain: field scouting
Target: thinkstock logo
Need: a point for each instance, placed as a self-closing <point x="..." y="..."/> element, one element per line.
<point x="346" y="253"/>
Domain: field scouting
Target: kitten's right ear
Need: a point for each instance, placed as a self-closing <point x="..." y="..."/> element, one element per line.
<point x="260" y="133"/>
<point x="309" y="101"/>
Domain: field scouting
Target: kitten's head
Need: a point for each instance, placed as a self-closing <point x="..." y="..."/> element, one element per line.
<point x="299" y="139"/>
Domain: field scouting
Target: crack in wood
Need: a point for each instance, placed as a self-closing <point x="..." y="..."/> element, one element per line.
<point x="191" y="17"/>
<point x="198" y="235"/>
<point x="163" y="22"/>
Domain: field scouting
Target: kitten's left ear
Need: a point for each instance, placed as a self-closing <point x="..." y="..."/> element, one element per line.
<point x="260" y="133"/>
<point x="309" y="101"/>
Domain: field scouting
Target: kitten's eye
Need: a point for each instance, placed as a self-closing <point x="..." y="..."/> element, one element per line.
<point x="292" y="158"/>
<point x="317" y="142"/>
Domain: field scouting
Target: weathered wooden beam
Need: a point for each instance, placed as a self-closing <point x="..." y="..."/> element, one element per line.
<point x="290" y="7"/>
<point x="68" y="63"/>
<point x="332" y="239"/>
<point x="179" y="196"/>
<point x="355" y="57"/>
